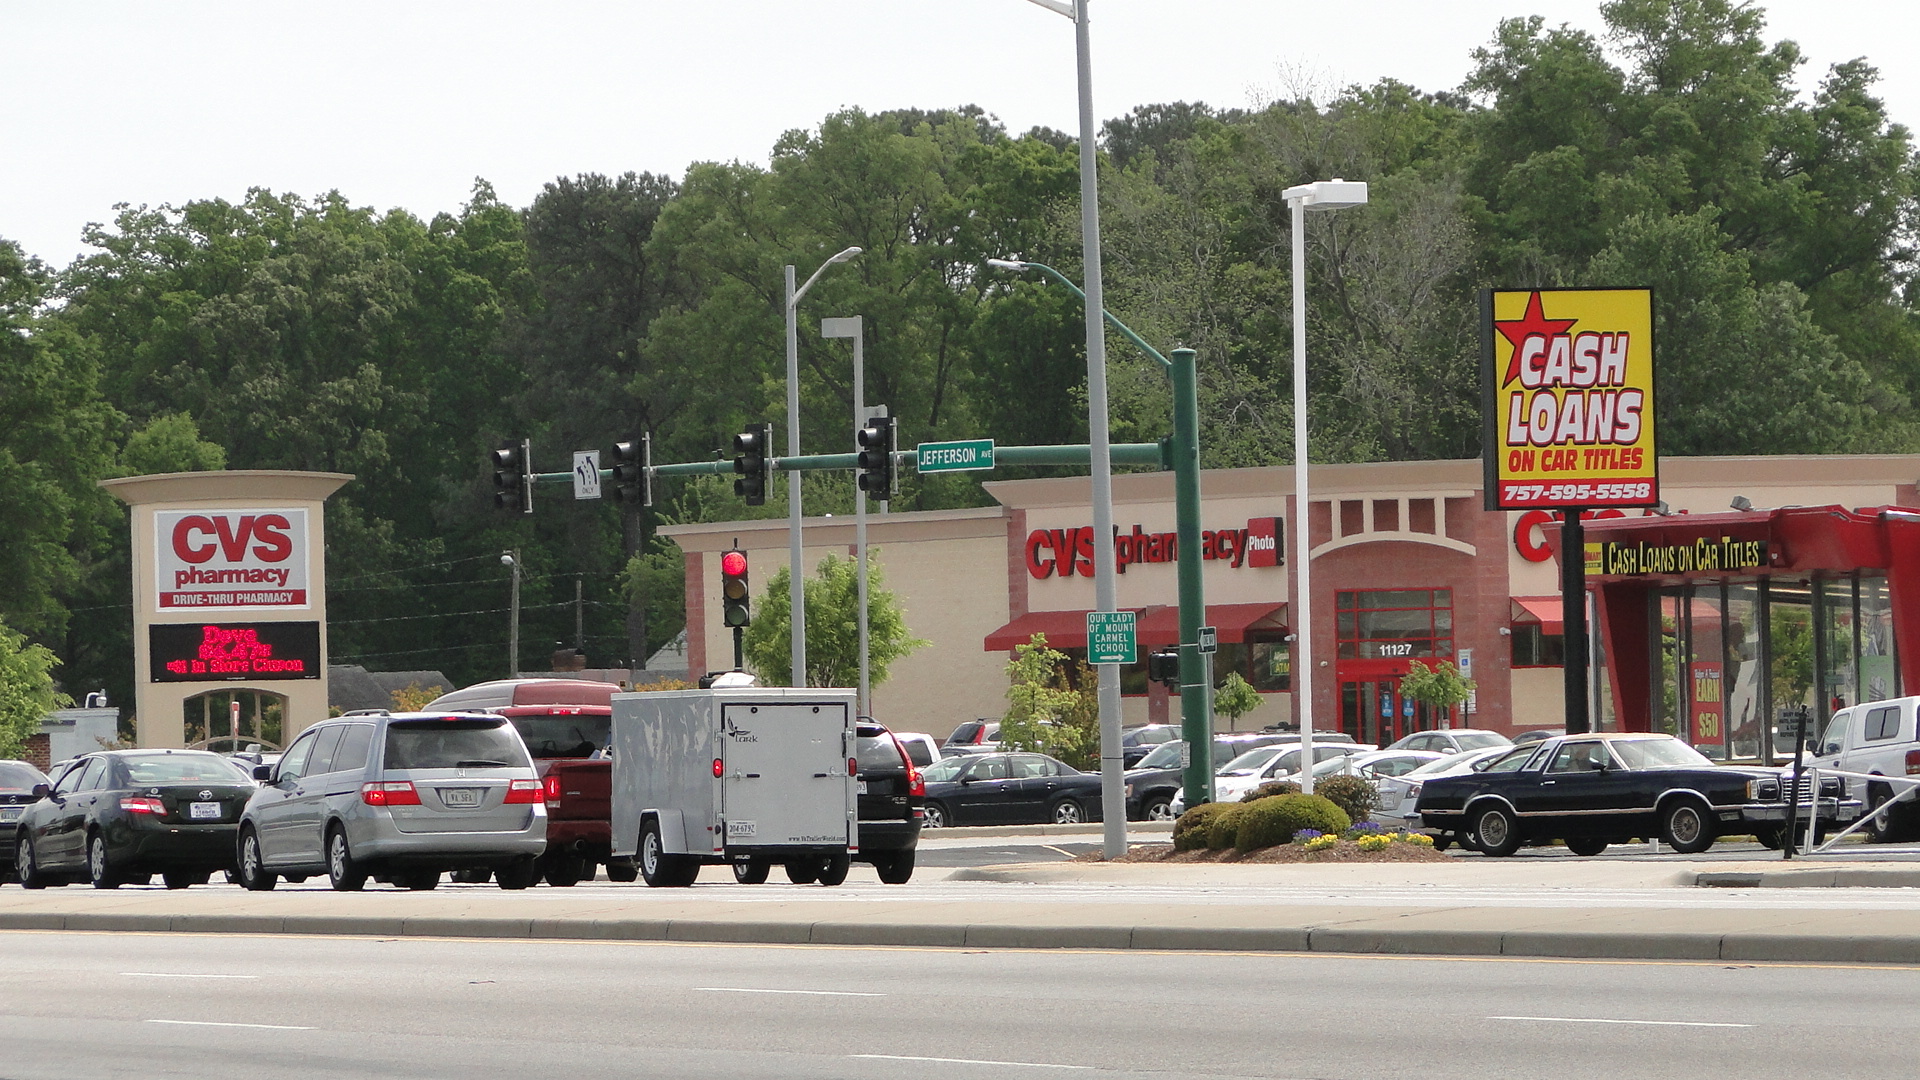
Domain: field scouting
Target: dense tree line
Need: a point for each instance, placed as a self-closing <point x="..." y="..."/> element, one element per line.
<point x="1774" y="218"/>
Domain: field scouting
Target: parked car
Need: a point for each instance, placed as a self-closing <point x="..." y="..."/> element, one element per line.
<point x="1136" y="742"/>
<point x="17" y="781"/>
<point x="1593" y="790"/>
<point x="118" y="817"/>
<point x="892" y="798"/>
<point x="1267" y="764"/>
<point x="1376" y="765"/>
<point x="921" y="748"/>
<point x="973" y="737"/>
<point x="398" y="797"/>
<point x="1155" y="781"/>
<point x="1008" y="789"/>
<point x="1879" y="738"/>
<point x="1451" y="741"/>
<point x="1396" y="796"/>
<point x="1536" y="735"/>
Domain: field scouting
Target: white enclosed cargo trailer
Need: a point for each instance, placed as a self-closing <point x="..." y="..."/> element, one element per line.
<point x="752" y="776"/>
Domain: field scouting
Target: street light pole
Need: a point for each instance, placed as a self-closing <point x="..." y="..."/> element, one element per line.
<point x="512" y="560"/>
<point x="796" y="569"/>
<point x="1325" y="195"/>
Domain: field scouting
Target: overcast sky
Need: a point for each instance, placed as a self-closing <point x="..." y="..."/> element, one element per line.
<point x="403" y="104"/>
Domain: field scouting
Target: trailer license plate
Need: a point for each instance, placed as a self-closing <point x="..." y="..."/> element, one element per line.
<point x="742" y="830"/>
<point x="460" y="796"/>
<point x="204" y="811"/>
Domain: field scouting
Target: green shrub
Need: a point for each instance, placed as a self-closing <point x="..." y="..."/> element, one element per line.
<point x="1351" y="794"/>
<point x="1270" y="789"/>
<point x="1190" y="831"/>
<point x="1225" y="826"/>
<point x="1274" y="821"/>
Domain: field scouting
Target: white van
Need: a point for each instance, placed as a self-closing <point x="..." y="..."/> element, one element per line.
<point x="1877" y="737"/>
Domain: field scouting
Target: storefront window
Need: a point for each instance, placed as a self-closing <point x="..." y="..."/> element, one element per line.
<point x="1836" y="649"/>
<point x="1534" y="648"/>
<point x="1704" y="682"/>
<point x="1790" y="665"/>
<point x="1671" y="656"/>
<point x="1745" y="708"/>
<point x="1269" y="666"/>
<point x="1388" y="624"/>
<point x="1879" y="676"/>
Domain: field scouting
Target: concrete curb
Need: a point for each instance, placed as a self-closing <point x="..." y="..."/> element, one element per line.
<point x="1091" y="833"/>
<point x="1305" y="938"/>
<point x="1813" y="877"/>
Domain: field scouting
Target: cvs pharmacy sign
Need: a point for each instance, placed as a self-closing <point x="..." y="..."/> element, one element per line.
<point x="231" y="559"/>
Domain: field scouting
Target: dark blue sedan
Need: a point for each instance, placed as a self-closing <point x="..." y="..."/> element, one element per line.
<point x="1009" y="789"/>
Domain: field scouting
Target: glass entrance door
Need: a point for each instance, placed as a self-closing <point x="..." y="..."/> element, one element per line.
<point x="1374" y="711"/>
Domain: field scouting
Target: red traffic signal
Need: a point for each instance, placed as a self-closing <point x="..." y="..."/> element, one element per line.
<point x="734" y="589"/>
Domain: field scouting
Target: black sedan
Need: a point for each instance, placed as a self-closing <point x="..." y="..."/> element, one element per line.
<point x="1008" y="789"/>
<point x="1599" y="789"/>
<point x="17" y="781"/>
<point x="119" y="816"/>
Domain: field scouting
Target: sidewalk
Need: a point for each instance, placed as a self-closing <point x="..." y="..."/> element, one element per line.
<point x="1622" y="909"/>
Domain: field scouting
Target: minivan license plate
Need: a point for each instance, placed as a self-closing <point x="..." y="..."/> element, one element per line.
<point x="204" y="811"/>
<point x="460" y="796"/>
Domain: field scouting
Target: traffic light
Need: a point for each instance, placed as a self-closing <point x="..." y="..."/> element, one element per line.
<point x="630" y="480"/>
<point x="513" y="477"/>
<point x="734" y="588"/>
<point x="876" y="457"/>
<point x="1164" y="667"/>
<point x="750" y="451"/>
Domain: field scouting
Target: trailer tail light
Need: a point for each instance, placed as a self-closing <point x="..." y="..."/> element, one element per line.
<point x="853" y="766"/>
<point x="552" y="788"/>
<point x="389" y="793"/>
<point x="526" y="791"/>
<point x="142" y="804"/>
<point x="719" y="767"/>
<point x="1913" y="763"/>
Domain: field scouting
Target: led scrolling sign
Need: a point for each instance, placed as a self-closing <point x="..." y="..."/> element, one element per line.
<point x="233" y="652"/>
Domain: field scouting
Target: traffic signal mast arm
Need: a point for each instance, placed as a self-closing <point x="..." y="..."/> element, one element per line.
<point x="1149" y="454"/>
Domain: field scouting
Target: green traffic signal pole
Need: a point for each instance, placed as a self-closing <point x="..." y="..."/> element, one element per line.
<point x="1196" y="719"/>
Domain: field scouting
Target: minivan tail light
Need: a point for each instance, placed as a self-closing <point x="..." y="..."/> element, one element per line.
<point x="526" y="791"/>
<point x="142" y="804"/>
<point x="389" y="793"/>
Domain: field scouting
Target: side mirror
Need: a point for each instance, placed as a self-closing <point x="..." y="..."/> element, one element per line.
<point x="41" y="791"/>
<point x="263" y="772"/>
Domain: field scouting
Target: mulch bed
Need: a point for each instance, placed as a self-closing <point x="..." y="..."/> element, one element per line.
<point x="1346" y="851"/>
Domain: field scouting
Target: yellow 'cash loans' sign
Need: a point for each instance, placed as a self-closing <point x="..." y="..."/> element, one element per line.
<point x="1568" y="382"/>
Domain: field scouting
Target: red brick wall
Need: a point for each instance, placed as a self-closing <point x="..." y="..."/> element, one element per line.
<point x="37" y="753"/>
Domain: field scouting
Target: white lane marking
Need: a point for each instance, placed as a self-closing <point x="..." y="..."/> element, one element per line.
<point x="180" y="975"/>
<point x="968" y="1061"/>
<point x="217" y="1023"/>
<point x="1597" y="1020"/>
<point x="757" y="990"/>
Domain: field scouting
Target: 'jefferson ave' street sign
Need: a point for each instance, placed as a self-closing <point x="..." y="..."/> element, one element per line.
<point x="955" y="456"/>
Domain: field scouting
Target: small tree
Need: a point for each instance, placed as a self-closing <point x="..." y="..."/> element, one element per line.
<point x="1236" y="698"/>
<point x="414" y="697"/>
<point x="833" y="627"/>
<point x="26" y="690"/>
<point x="1046" y="712"/>
<point x="1441" y="686"/>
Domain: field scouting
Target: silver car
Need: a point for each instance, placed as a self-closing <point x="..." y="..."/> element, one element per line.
<point x="401" y="798"/>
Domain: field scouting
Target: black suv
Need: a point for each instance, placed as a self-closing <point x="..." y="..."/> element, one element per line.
<point x="892" y="797"/>
<point x="1152" y="784"/>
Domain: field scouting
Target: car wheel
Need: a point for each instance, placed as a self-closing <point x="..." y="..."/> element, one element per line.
<point x="1879" y="830"/>
<point x="752" y="871"/>
<point x="183" y="879"/>
<point x="254" y="875"/>
<point x="25" y="869"/>
<point x="467" y="877"/>
<point x="1586" y="846"/>
<point x="622" y="870"/>
<point x="1686" y="827"/>
<point x="1158" y="808"/>
<point x="662" y="870"/>
<point x="833" y="869"/>
<point x="420" y="880"/>
<point x="936" y="816"/>
<point x="99" y="865"/>
<point x="1769" y="838"/>
<point x="519" y="874"/>
<point x="561" y="871"/>
<point x="803" y="871"/>
<point x="1066" y="812"/>
<point x="1442" y="842"/>
<point x="894" y="869"/>
<point x="343" y="872"/>
<point x="1496" y="832"/>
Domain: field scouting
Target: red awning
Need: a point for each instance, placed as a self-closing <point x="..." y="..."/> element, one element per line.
<point x="1544" y="609"/>
<point x="1155" y="626"/>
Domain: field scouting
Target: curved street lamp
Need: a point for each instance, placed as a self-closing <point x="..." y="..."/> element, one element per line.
<point x="796" y="570"/>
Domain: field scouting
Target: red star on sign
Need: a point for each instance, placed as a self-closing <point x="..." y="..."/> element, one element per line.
<point x="1533" y="324"/>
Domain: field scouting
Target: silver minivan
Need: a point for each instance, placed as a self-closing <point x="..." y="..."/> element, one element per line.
<point x="399" y="797"/>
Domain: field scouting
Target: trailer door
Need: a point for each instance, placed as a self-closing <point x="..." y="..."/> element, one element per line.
<point x="785" y="773"/>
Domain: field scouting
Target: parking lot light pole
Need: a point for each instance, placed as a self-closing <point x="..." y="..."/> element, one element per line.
<point x="1332" y="194"/>
<point x="796" y="570"/>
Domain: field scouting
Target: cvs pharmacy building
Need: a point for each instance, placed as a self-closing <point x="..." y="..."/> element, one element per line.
<point x="1407" y="566"/>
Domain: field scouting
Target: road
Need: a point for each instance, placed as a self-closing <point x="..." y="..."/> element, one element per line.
<point x="98" y="1005"/>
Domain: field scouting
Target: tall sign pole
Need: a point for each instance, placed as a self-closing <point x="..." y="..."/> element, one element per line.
<point x="1568" y="407"/>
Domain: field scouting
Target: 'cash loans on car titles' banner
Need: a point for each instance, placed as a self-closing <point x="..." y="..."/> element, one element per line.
<point x="1568" y="382"/>
<point x="230" y="559"/>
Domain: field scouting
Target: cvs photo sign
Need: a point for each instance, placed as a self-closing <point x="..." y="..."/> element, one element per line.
<point x="231" y="559"/>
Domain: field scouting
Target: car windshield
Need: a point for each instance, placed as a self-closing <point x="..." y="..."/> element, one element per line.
<point x="1164" y="756"/>
<point x="187" y="768"/>
<point x="1251" y="762"/>
<point x="1658" y="754"/>
<point x="944" y="769"/>
<point x="18" y="778"/>
<point x="564" y="736"/>
<point x="1481" y="740"/>
<point x="452" y="744"/>
<point x="877" y="750"/>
